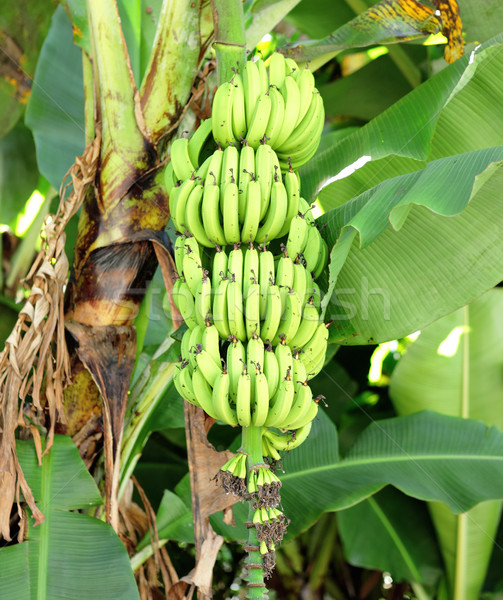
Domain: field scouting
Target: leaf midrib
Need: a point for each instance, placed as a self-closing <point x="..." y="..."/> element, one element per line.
<point x="383" y="460"/>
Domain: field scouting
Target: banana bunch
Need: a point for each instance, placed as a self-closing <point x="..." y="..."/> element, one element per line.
<point x="251" y="384"/>
<point x="251" y="292"/>
<point x="273" y="103"/>
<point x="234" y="196"/>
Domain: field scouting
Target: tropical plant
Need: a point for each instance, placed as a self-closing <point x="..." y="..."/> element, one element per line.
<point x="107" y="475"/>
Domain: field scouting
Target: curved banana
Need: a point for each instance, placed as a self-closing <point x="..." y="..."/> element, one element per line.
<point x="281" y="402"/>
<point x="195" y="345"/>
<point x="276" y="116"/>
<point x="291" y="67"/>
<point x="184" y="301"/>
<point x="291" y="94"/>
<point x="264" y="174"/>
<point x="289" y="441"/>
<point x="284" y="278"/>
<point x="235" y="264"/>
<point x="215" y="168"/>
<point x="260" y="408"/>
<point x="211" y="215"/>
<point x="305" y="81"/>
<point x="250" y="268"/>
<point x="301" y="279"/>
<point x="198" y="141"/>
<point x="185" y="345"/>
<point x="238" y="108"/>
<point x="276" y="213"/>
<point x="207" y="366"/>
<point x="236" y="357"/>
<point x="258" y="124"/>
<point x="179" y="253"/>
<point x="183" y="167"/>
<point x="218" y="267"/>
<point x="252" y="215"/>
<point x="323" y="259"/>
<point x="221" y="400"/>
<point x="305" y="131"/>
<point x="273" y="313"/>
<point x="230" y="211"/>
<point x="252" y="88"/>
<point x="307" y="418"/>
<point x="230" y="167"/>
<point x="246" y="174"/>
<point x="203" y="393"/>
<point x="266" y="277"/>
<point x="313" y="251"/>
<point x="169" y="178"/>
<point x="222" y="114"/>
<point x="316" y="346"/>
<point x="243" y="399"/>
<point x="271" y="370"/>
<point x="290" y="319"/>
<point x="193" y="220"/>
<point x="203" y="301"/>
<point x="285" y="359"/>
<point x="220" y="313"/>
<point x="178" y="202"/>
<point x="302" y="403"/>
<point x="263" y="76"/>
<point x="299" y="374"/>
<point x="308" y="325"/>
<point x="183" y="384"/>
<point x="297" y="236"/>
<point x="255" y="354"/>
<point x="306" y="209"/>
<point x="210" y="342"/>
<point x="277" y="70"/>
<point x="292" y="188"/>
<point x="252" y="310"/>
<point x="192" y="271"/>
<point x="235" y="310"/>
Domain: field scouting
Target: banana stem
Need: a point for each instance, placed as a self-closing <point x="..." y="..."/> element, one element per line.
<point x="254" y="576"/>
<point x="230" y="37"/>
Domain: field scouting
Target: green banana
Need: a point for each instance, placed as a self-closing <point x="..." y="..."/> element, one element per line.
<point x="243" y="398"/>
<point x="236" y="357"/>
<point x="252" y="87"/>
<point x="193" y="220"/>
<point x="281" y="402"/>
<point x="250" y="268"/>
<point x="221" y="400"/>
<point x="183" y="384"/>
<point x="203" y="393"/>
<point x="211" y="215"/>
<point x="264" y="174"/>
<point x="183" y="167"/>
<point x="305" y="81"/>
<point x="207" y="366"/>
<point x="235" y="264"/>
<point x="285" y="359"/>
<point x="252" y="310"/>
<point x="184" y="301"/>
<point x="246" y="174"/>
<point x="179" y="253"/>
<point x="218" y="267"/>
<point x="292" y="188"/>
<point x="315" y="348"/>
<point x="301" y="279"/>
<point x="184" y="345"/>
<point x="222" y="114"/>
<point x="195" y="346"/>
<point x="271" y="370"/>
<point x="252" y="215"/>
<point x="210" y="342"/>
<point x="258" y="124"/>
<point x="260" y="408"/>
<point x="313" y="251"/>
<point x="238" y="108"/>
<point x="266" y="277"/>
<point x="169" y="178"/>
<point x="215" y="168"/>
<point x="308" y="325"/>
<point x="230" y="167"/>
<point x="300" y="407"/>
<point x="276" y="116"/>
<point x="220" y="312"/>
<point x="284" y="442"/>
<point x="290" y="319"/>
<point x="291" y="94"/>
<point x="255" y="353"/>
<point x="198" y="141"/>
<point x="235" y="309"/>
<point x="323" y="259"/>
<point x="203" y="301"/>
<point x="192" y="271"/>
<point x="276" y="213"/>
<point x="273" y="313"/>
<point x="178" y="202"/>
<point x="284" y="278"/>
<point x="297" y="236"/>
<point x="277" y="69"/>
<point x="305" y="132"/>
<point x="230" y="211"/>
<point x="263" y="76"/>
<point x="307" y="419"/>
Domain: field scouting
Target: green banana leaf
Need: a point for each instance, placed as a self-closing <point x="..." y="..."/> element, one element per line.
<point x="55" y="112"/>
<point x="391" y="532"/>
<point x="70" y="555"/>
<point x="481" y="20"/>
<point x="455" y="367"/>
<point x="388" y="281"/>
<point x="387" y="22"/>
<point x="437" y="119"/>
<point x="427" y="455"/>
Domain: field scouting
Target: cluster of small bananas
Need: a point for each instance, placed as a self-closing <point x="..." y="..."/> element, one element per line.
<point x="276" y="104"/>
<point x="247" y="254"/>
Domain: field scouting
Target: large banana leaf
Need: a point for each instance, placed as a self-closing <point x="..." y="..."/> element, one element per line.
<point x="391" y="532"/>
<point x="70" y="555"/>
<point x="429" y="242"/>
<point x="455" y="367"/>
<point x="426" y="455"/>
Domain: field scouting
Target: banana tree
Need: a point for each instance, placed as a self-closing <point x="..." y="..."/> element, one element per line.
<point x="148" y="75"/>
